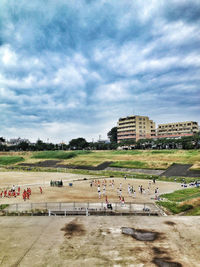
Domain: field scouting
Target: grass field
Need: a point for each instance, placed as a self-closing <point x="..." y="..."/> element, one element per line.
<point x="8" y="160"/>
<point x="148" y="159"/>
<point x="186" y="200"/>
<point x="183" y="195"/>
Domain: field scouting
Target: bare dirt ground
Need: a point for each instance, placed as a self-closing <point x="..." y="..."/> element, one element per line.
<point x="80" y="191"/>
<point x="98" y="241"/>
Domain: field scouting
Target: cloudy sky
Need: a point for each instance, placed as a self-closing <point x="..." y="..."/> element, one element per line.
<point x="70" y="69"/>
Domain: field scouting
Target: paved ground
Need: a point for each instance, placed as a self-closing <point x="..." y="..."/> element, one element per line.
<point x="57" y="164"/>
<point x="98" y="241"/>
<point x="181" y="170"/>
<point x="145" y="171"/>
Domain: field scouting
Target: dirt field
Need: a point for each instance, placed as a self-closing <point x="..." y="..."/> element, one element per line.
<point x="98" y="241"/>
<point x="80" y="191"/>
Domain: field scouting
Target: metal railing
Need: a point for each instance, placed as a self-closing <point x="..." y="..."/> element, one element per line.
<point x="88" y="206"/>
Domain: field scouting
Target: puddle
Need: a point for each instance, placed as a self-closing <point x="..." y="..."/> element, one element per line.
<point x="165" y="262"/>
<point x="140" y="234"/>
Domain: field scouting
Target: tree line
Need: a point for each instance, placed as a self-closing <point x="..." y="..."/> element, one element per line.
<point x="189" y="142"/>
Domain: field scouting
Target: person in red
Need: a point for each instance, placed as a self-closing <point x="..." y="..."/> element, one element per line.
<point x="14" y="194"/>
<point x="9" y="193"/>
<point x="29" y="190"/>
<point x="18" y="190"/>
<point x="1" y="195"/>
<point x="106" y="200"/>
<point x="5" y="193"/>
<point x="40" y="189"/>
<point x="24" y="195"/>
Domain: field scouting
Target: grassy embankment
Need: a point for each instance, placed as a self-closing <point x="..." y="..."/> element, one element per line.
<point x="145" y="159"/>
<point x="156" y="159"/>
<point x="185" y="200"/>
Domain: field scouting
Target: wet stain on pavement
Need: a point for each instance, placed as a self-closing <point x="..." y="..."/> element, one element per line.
<point x="170" y="223"/>
<point x="73" y="229"/>
<point x="166" y="262"/>
<point x="141" y="234"/>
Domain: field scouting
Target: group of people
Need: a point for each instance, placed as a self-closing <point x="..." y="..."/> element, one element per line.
<point x="10" y="192"/>
<point x="26" y="194"/>
<point x="56" y="183"/>
<point x="103" y="184"/>
<point x="15" y="191"/>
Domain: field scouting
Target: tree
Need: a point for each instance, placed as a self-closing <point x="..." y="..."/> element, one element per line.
<point x="112" y="135"/>
<point x="40" y="145"/>
<point x="24" y="145"/>
<point x="2" y="140"/>
<point x="78" y="144"/>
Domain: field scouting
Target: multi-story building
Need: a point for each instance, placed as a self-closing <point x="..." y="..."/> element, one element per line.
<point x="177" y="129"/>
<point x="135" y="127"/>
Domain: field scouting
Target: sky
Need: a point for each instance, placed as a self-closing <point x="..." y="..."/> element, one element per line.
<point x="71" y="69"/>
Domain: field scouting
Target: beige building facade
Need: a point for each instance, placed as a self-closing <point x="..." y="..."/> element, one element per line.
<point x="135" y="127"/>
<point x="177" y="129"/>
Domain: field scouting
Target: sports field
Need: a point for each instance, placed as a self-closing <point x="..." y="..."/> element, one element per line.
<point x="81" y="191"/>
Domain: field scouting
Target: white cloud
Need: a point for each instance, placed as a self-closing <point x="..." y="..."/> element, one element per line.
<point x="8" y="57"/>
<point x="112" y="92"/>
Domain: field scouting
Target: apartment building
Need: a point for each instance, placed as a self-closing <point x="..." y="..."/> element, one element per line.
<point x="135" y="127"/>
<point x="177" y="129"/>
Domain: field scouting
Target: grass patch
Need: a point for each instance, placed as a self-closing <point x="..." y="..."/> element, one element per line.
<point x="183" y="195"/>
<point x="127" y="152"/>
<point x="129" y="164"/>
<point x="3" y="206"/>
<point x="174" y="207"/>
<point x="58" y="154"/>
<point x="163" y="151"/>
<point x="6" y="160"/>
<point x="185" y="200"/>
<point x="193" y="153"/>
<point x="193" y="212"/>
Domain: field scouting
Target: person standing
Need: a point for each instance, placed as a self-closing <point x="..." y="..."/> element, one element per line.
<point x="40" y="190"/>
<point x="99" y="191"/>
